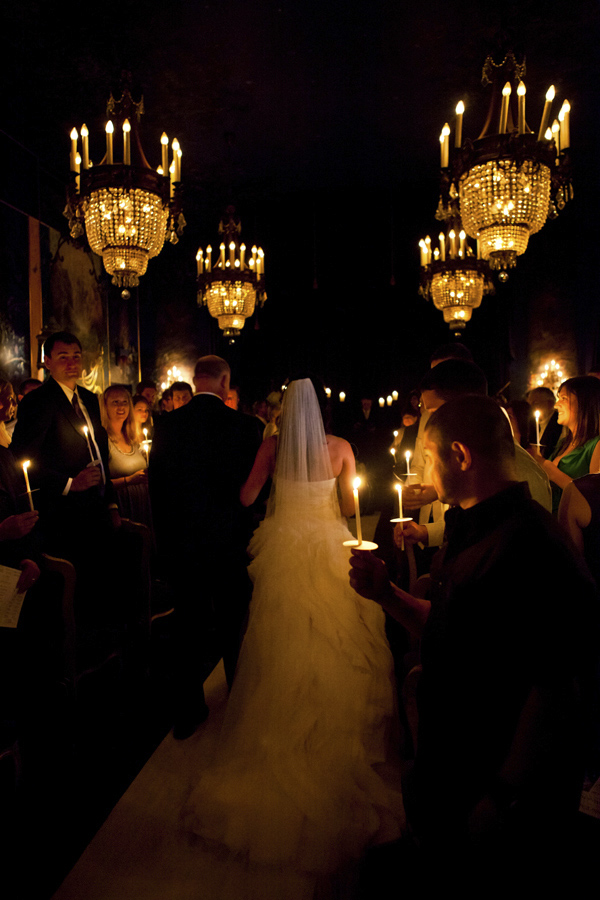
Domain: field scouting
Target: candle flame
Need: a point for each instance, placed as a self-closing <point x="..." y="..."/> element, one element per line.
<point x="126" y="125"/>
<point x="74" y="134"/>
<point x="164" y="139"/>
<point x="408" y="455"/>
<point x="460" y="108"/>
<point x="85" y="430"/>
<point x="506" y="90"/>
<point x="537" y="413"/>
<point x="521" y="90"/>
<point x="26" y="464"/>
<point x="109" y="127"/>
<point x="356" y="483"/>
<point x="550" y="93"/>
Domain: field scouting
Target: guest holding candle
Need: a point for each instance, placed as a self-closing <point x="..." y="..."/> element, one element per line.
<point x="578" y="453"/>
<point x="126" y="459"/>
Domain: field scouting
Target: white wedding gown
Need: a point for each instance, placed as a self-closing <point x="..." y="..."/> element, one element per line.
<point x="303" y="780"/>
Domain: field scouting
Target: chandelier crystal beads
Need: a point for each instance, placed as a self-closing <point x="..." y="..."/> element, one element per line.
<point x="126" y="209"/>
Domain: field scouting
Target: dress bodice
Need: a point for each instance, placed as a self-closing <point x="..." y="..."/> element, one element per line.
<point x="121" y="463"/>
<point x="313" y="499"/>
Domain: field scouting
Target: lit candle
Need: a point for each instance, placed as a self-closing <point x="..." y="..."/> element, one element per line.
<point x="357" y="511"/>
<point x="85" y="146"/>
<point x="87" y="437"/>
<point x="546" y="114"/>
<point x="164" y="149"/>
<point x="109" y="143"/>
<point x="506" y="92"/>
<point x="460" y="108"/>
<point x="231" y="253"/>
<point x="242" y="257"/>
<point x="463" y="243"/>
<point x="389" y="399"/>
<point x="126" y="143"/>
<point x="342" y="396"/>
<point x="452" y="245"/>
<point x="328" y="392"/>
<point x="73" y="137"/>
<point x="261" y="261"/>
<point x="537" y="426"/>
<point x="208" y="258"/>
<point x="521" y="91"/>
<point x="563" y="118"/>
<point x="222" y="255"/>
<point x="423" y="250"/>
<point x="408" y="455"/>
<point x="400" y="513"/>
<point x="27" y="485"/>
<point x="172" y="179"/>
<point x="428" y="248"/>
<point x="556" y="134"/>
<point x="200" y="262"/>
<point x="394" y="395"/>
<point x="382" y="402"/>
<point x="393" y="452"/>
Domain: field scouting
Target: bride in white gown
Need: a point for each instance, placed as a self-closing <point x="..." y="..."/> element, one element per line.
<point x="303" y="778"/>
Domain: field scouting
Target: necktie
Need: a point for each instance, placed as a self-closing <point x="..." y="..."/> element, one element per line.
<point x="76" y="407"/>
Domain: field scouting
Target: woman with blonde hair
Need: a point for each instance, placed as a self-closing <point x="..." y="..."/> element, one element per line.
<point x="127" y="461"/>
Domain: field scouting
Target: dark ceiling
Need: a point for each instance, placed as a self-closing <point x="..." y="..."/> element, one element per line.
<point x="321" y="120"/>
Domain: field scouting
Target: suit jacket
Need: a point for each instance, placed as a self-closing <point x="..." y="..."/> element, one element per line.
<point x="201" y="455"/>
<point x="49" y="433"/>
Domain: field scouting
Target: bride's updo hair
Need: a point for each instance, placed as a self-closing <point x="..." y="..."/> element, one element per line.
<point x="324" y="402"/>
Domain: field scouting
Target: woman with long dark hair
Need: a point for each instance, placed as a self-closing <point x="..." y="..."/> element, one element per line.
<point x="578" y="452"/>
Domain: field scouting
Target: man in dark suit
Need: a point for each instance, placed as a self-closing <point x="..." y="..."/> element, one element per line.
<point x="76" y="499"/>
<point x="201" y="455"/>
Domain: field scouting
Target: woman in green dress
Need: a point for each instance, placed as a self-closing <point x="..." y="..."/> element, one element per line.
<point x="578" y="451"/>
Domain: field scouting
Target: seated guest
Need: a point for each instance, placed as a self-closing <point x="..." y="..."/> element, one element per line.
<point x="127" y="462"/>
<point x="543" y="398"/>
<point x="578" y="453"/>
<point x="182" y="394"/>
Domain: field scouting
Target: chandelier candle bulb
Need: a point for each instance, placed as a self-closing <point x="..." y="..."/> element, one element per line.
<point x="222" y="256"/>
<point x="563" y="118"/>
<point x="506" y="92"/>
<point x="460" y="108"/>
<point x="242" y="257"/>
<point x="342" y="396"/>
<point x="209" y="258"/>
<point x="77" y="170"/>
<point x="452" y="237"/>
<point x="394" y="395"/>
<point x="537" y="427"/>
<point x="382" y="402"/>
<point x="126" y="143"/>
<point x="231" y="253"/>
<point x="261" y="258"/>
<point x="463" y="243"/>
<point x="176" y="160"/>
<point x="109" y="143"/>
<point x="389" y="399"/>
<point x="546" y="114"/>
<point x="164" y="151"/>
<point x="423" y="252"/>
<point x="556" y="135"/>
<point x="26" y="465"/>
<point x="87" y="437"/>
<point x="521" y="91"/>
<point x="85" y="146"/>
<point x="445" y="148"/>
<point x="200" y="262"/>
<point x="442" y="246"/>
<point x="74" y="136"/>
<point x="357" y="511"/>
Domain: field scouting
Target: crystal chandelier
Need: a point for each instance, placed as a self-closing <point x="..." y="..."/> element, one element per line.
<point x="231" y="285"/>
<point x="126" y="208"/>
<point x="510" y="179"/>
<point x="453" y="277"/>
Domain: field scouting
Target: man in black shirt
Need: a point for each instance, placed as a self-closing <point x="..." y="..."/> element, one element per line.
<point x="508" y="627"/>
